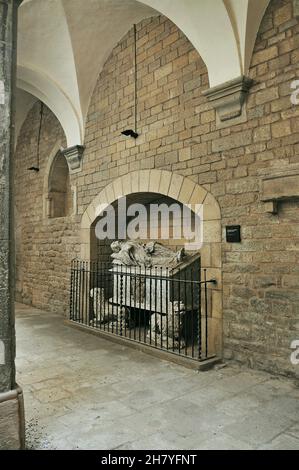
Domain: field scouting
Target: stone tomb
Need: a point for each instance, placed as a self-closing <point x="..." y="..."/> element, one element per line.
<point x="165" y="293"/>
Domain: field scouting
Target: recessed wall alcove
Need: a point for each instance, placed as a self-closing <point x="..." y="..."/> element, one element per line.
<point x="59" y="194"/>
<point x="146" y="186"/>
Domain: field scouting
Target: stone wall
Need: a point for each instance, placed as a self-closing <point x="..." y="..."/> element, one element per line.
<point x="44" y="246"/>
<point x="179" y="132"/>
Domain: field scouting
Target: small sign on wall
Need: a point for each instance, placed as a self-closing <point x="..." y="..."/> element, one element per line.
<point x="233" y="233"/>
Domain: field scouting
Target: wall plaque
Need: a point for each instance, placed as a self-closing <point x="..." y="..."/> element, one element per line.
<point x="233" y="233"/>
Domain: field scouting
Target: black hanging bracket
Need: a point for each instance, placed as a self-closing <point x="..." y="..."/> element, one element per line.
<point x="130" y="133"/>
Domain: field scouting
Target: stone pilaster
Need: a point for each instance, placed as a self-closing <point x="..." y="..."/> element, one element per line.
<point x="11" y="410"/>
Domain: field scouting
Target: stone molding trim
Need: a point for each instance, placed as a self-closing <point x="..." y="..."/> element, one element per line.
<point x="280" y="186"/>
<point x="229" y="97"/>
<point x="296" y="7"/>
<point x="185" y="191"/>
<point x="74" y="157"/>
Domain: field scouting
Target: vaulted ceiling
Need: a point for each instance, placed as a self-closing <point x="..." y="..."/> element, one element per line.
<point x="63" y="44"/>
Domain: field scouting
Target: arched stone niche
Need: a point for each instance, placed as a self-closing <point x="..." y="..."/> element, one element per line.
<point x="59" y="194"/>
<point x="185" y="191"/>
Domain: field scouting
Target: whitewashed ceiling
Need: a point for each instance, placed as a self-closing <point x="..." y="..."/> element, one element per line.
<point x="63" y="44"/>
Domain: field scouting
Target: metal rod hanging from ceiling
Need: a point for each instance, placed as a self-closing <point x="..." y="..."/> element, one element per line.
<point x="36" y="168"/>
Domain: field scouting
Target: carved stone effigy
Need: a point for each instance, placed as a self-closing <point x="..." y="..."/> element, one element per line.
<point x="104" y="312"/>
<point x="166" y="330"/>
<point x="152" y="254"/>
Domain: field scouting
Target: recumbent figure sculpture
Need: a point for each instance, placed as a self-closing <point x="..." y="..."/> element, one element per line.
<point x="132" y="253"/>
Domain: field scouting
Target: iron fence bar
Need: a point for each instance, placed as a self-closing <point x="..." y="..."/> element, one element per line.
<point x="81" y="293"/>
<point x="150" y="308"/>
<point x="104" y="323"/>
<point x="186" y="307"/>
<point x="71" y="292"/>
<point x="84" y="291"/>
<point x="130" y="302"/>
<point x="161" y="310"/>
<point x="121" y="304"/>
<point x="179" y="310"/>
<point x="125" y="302"/>
<point x="87" y="306"/>
<point x="103" y="287"/>
<point x="192" y="314"/>
<point x="98" y="314"/>
<point x="109" y="307"/>
<point x="93" y="308"/>
<point x="78" y="286"/>
<point x="167" y="306"/>
<point x="206" y="311"/>
<point x="172" y="310"/>
<point x="135" y="309"/>
<point x="139" y="310"/>
<point x="199" y="320"/>
<point x="144" y="309"/>
<point x="117" y="301"/>
<point x="77" y="312"/>
<point x="156" y="306"/>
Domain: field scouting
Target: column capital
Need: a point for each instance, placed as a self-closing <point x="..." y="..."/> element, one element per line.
<point x="74" y="157"/>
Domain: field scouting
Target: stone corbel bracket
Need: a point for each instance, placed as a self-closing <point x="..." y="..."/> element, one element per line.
<point x="74" y="157"/>
<point x="229" y="97"/>
<point x="279" y="187"/>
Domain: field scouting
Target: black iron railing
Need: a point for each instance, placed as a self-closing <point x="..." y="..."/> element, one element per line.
<point x="159" y="307"/>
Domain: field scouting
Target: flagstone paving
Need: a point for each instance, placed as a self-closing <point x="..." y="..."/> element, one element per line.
<point x="84" y="392"/>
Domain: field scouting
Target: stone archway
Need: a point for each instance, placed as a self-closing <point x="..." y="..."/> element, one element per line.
<point x="185" y="191"/>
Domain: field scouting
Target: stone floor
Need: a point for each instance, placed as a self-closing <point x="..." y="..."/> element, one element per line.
<point x="83" y="392"/>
